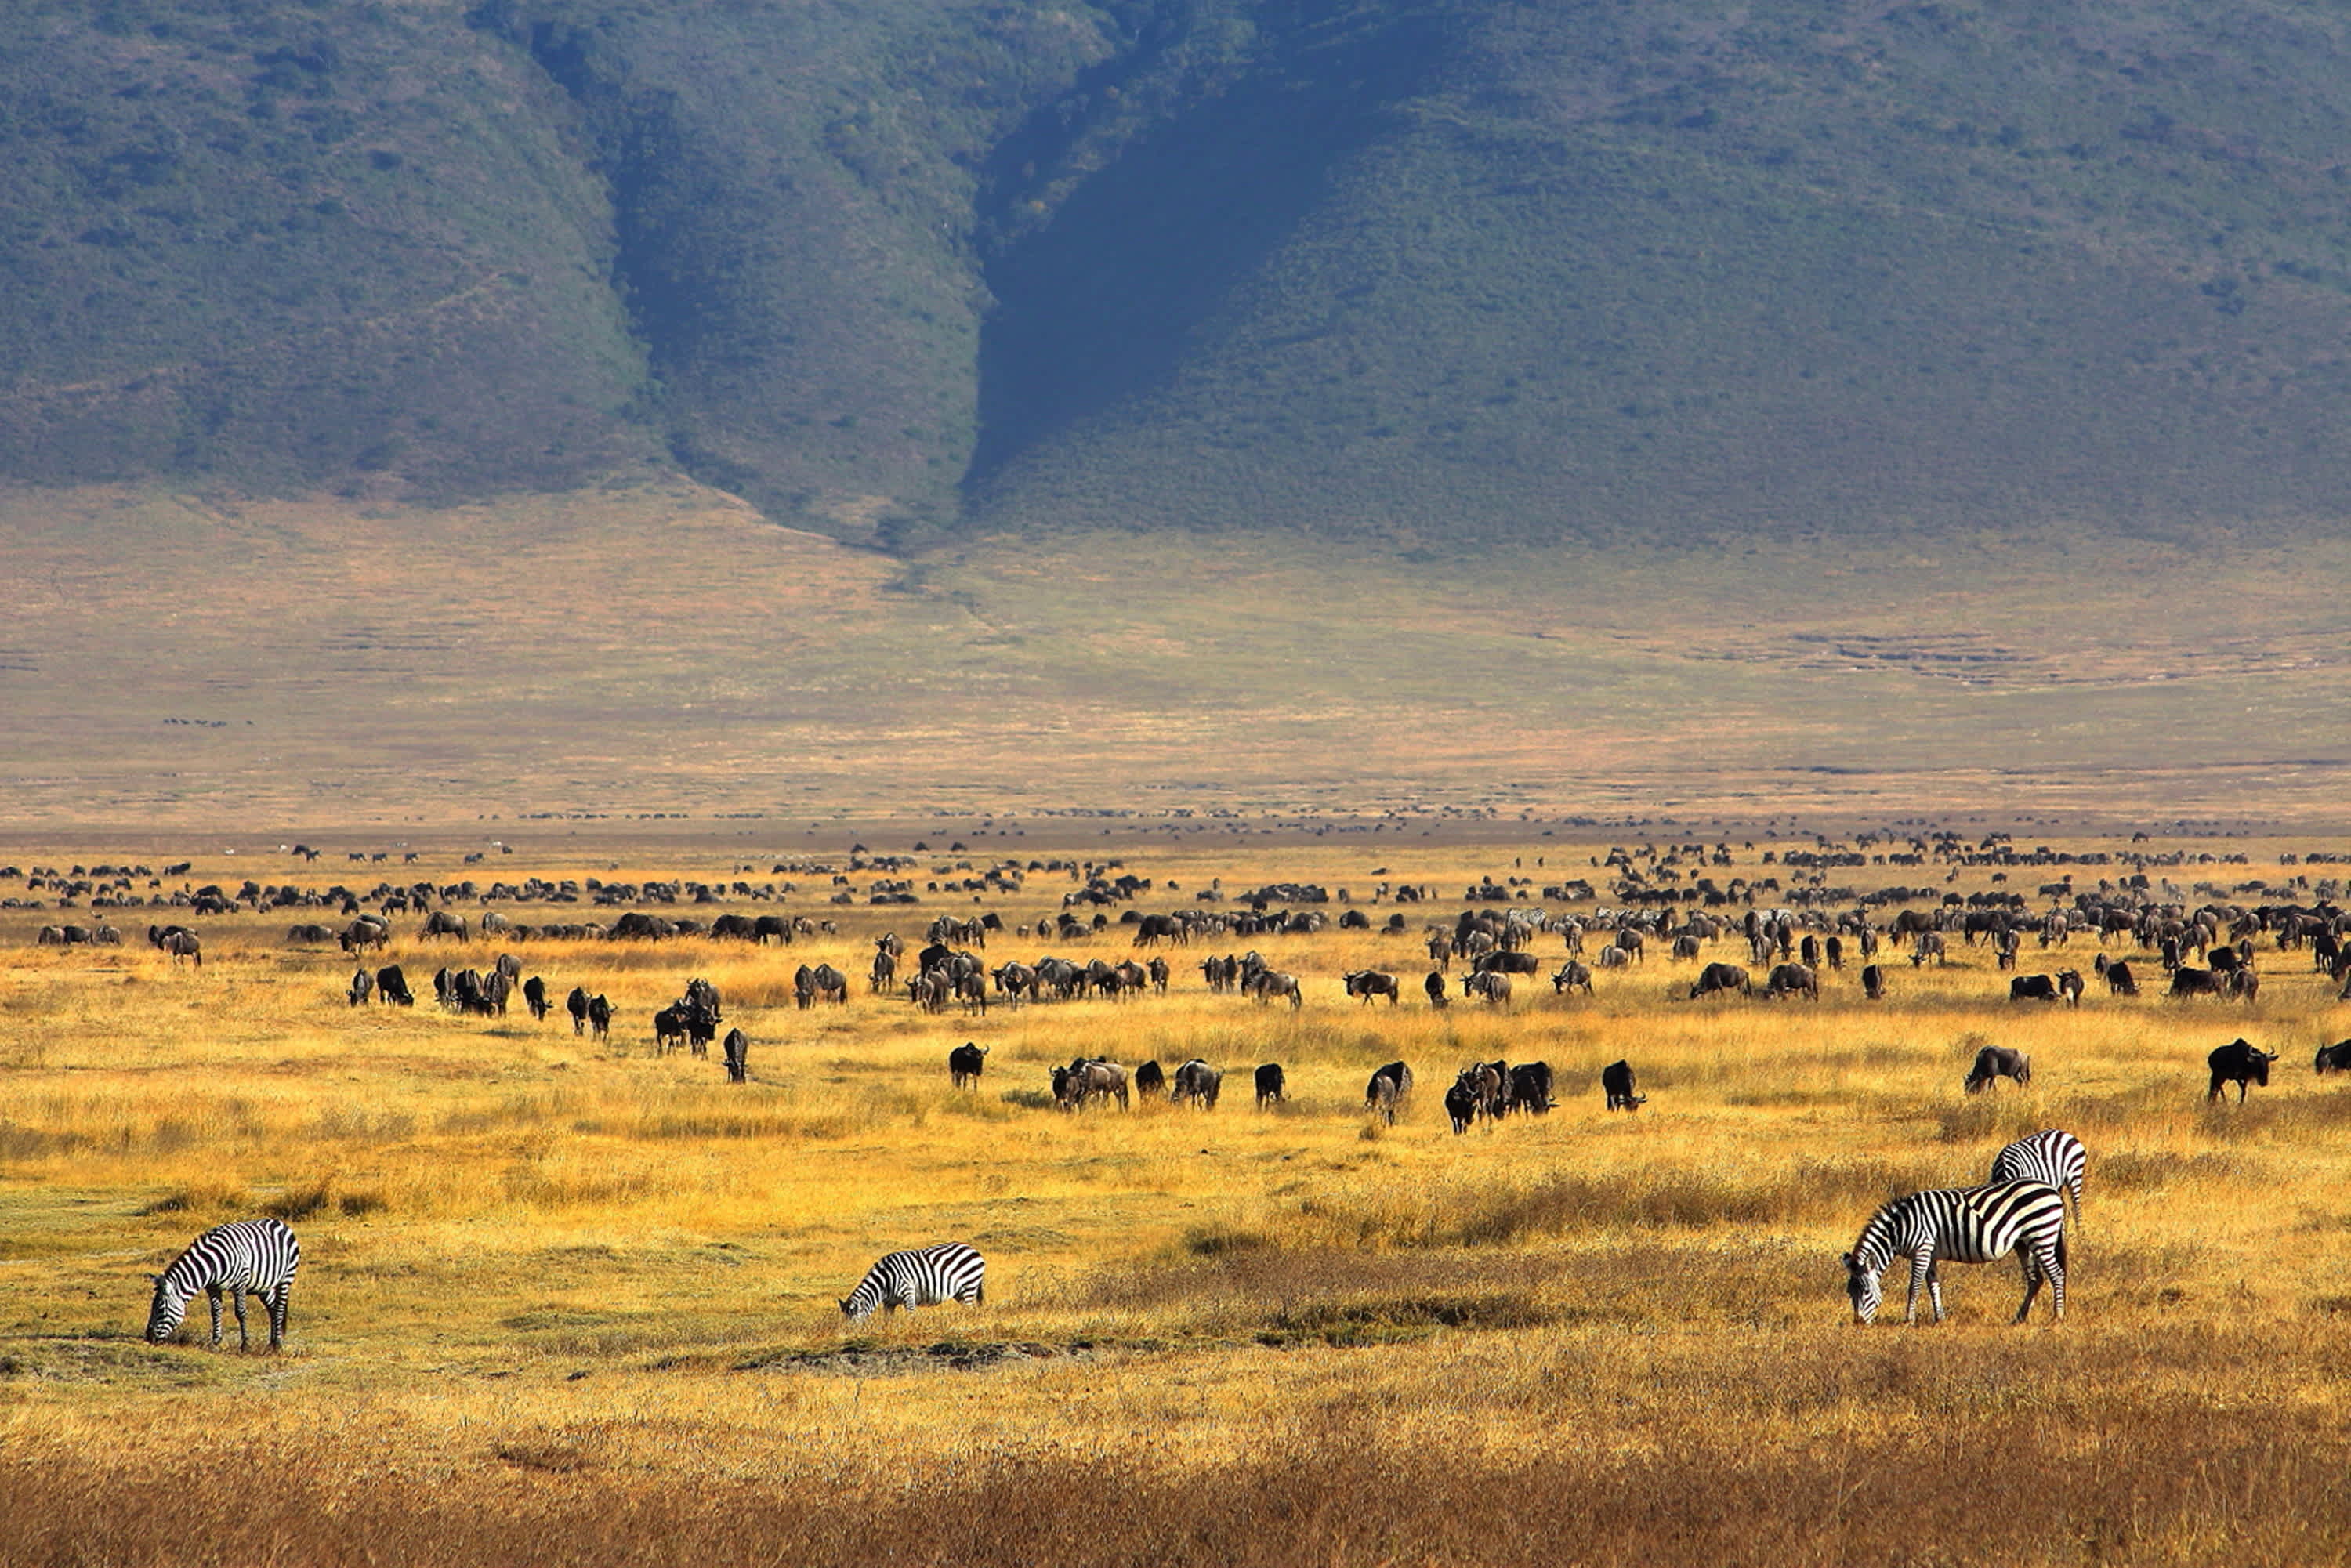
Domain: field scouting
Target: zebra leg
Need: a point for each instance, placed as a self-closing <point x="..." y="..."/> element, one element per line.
<point x="213" y="1290"/>
<point x="2035" y="1266"/>
<point x="278" y="1301"/>
<point x="1922" y="1274"/>
<point x="1934" y="1289"/>
<point x="244" y="1339"/>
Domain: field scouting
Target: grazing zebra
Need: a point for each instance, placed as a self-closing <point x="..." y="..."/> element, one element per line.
<point x="2051" y="1156"/>
<point x="256" y="1255"/>
<point x="1964" y="1225"/>
<point x="925" y="1276"/>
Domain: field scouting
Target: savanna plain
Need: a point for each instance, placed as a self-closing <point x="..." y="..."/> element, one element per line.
<point x="571" y="1302"/>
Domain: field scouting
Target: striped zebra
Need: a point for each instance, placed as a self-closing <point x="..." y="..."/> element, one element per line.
<point x="256" y="1255"/>
<point x="924" y="1277"/>
<point x="1962" y="1225"/>
<point x="2048" y="1155"/>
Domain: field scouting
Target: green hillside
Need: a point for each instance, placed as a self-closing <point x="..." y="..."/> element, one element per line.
<point x="1422" y="275"/>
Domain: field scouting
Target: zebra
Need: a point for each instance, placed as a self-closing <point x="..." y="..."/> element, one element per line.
<point x="256" y="1255"/>
<point x="1965" y="1225"/>
<point x="2048" y="1155"/>
<point x="924" y="1277"/>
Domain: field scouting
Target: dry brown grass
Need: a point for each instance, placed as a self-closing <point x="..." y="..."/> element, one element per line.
<point x="569" y="1304"/>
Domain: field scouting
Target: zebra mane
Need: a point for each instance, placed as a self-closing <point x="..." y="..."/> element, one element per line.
<point x="1875" y="1248"/>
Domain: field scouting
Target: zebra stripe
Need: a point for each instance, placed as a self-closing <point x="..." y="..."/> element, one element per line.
<point x="924" y="1277"/>
<point x="1961" y="1224"/>
<point x="2051" y="1156"/>
<point x="256" y="1255"/>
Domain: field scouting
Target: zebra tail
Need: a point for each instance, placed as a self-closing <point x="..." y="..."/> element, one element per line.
<point x="2062" y="1261"/>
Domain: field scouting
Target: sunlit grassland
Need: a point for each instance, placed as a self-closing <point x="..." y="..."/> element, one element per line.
<point x="568" y="1303"/>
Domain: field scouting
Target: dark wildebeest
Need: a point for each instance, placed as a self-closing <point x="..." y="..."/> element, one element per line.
<point x="392" y="986"/>
<point x="600" y="1018"/>
<point x="441" y="923"/>
<point x="1461" y="1104"/>
<point x="2187" y="981"/>
<point x="575" y="1004"/>
<point x="178" y="941"/>
<point x="361" y="984"/>
<point x="1572" y="974"/>
<point x="1507" y="961"/>
<point x="965" y="1064"/>
<point x="2032" y="988"/>
<point x="1150" y="1078"/>
<point x="885" y="971"/>
<point x="1808" y="951"/>
<point x="534" y="996"/>
<point x="1530" y="1088"/>
<point x="1366" y="984"/>
<point x="2069" y="984"/>
<point x="1873" y="982"/>
<point x="1435" y="986"/>
<point x="2120" y="978"/>
<point x="1094" y="1081"/>
<point x="1195" y="1083"/>
<point x="2239" y="1062"/>
<point x="1492" y="984"/>
<point x="2335" y="1058"/>
<point x="738" y="1048"/>
<point x="1999" y="1061"/>
<point x="1720" y="977"/>
<point x="1837" y="952"/>
<point x="831" y="985"/>
<point x="1793" y="981"/>
<point x="1388" y="1086"/>
<point x="2245" y="982"/>
<point x="669" y="1029"/>
<point x="1270" y="1087"/>
<point x="1685" y="946"/>
<point x="1616" y="1083"/>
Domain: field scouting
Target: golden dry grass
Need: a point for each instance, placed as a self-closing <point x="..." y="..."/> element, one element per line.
<point x="562" y="1303"/>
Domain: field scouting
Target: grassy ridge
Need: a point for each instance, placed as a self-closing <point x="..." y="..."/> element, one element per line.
<point x="567" y="1302"/>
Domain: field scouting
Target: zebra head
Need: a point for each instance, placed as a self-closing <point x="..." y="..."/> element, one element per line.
<point x="164" y="1316"/>
<point x="1862" y="1287"/>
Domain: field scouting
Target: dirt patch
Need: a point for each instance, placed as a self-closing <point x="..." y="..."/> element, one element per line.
<point x="880" y="1361"/>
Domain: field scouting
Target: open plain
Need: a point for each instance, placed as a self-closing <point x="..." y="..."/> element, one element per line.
<point x="570" y="1301"/>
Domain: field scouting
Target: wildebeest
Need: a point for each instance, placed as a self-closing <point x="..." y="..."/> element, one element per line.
<point x="1616" y="1083"/>
<point x="1999" y="1061"/>
<point x="1572" y="975"/>
<point x="1461" y="1104"/>
<point x="575" y="1004"/>
<point x="361" y="984"/>
<point x="1929" y="944"/>
<point x="2335" y="1058"/>
<point x="1873" y="982"/>
<point x="2032" y="988"/>
<point x="965" y="1064"/>
<point x="1793" y="981"/>
<point x="1087" y="1080"/>
<point x="669" y="1029"/>
<point x="1267" y="984"/>
<point x="738" y="1048"/>
<point x="1717" y="977"/>
<point x="1366" y="984"/>
<point x="1490" y="984"/>
<point x="1195" y="1083"/>
<point x="1150" y="1078"/>
<point x="2069" y="985"/>
<point x="1435" y="986"/>
<point x="178" y="941"/>
<point x="2188" y="981"/>
<point x="392" y="986"/>
<point x="534" y="996"/>
<point x="1270" y="1086"/>
<point x="1507" y="961"/>
<point x="600" y="1018"/>
<point x="2239" y="1062"/>
<point x="884" y="973"/>
<point x="1530" y="1088"/>
<point x="367" y="930"/>
<point x="1388" y="1086"/>
<point x="442" y="923"/>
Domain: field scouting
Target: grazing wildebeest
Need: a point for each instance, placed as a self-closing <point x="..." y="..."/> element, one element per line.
<point x="1091" y="1081"/>
<point x="1999" y="1061"/>
<point x="1791" y="980"/>
<point x="534" y="996"/>
<point x="884" y="973"/>
<point x="2032" y="988"/>
<point x="2239" y="1062"/>
<point x="1572" y="976"/>
<point x="2244" y="983"/>
<point x="1837" y="952"/>
<point x="2335" y="1058"/>
<point x="1873" y="982"/>
<point x="1388" y="1086"/>
<point x="361" y="984"/>
<point x="1929" y="944"/>
<point x="1530" y="1088"/>
<point x="1616" y="1083"/>
<point x="1435" y="986"/>
<point x="2187" y="981"/>
<point x="1490" y="984"/>
<point x="178" y="941"/>
<point x="367" y="930"/>
<point x="965" y="1064"/>
<point x="1270" y="1086"/>
<point x="1197" y="1083"/>
<point x="392" y="986"/>
<point x="442" y="923"/>
<point x="1150" y="1078"/>
<point x="738" y="1048"/>
<point x="1267" y="984"/>
<point x="600" y="1018"/>
<point x="1461" y="1104"/>
<point x="575" y="1004"/>
<point x="1507" y="961"/>
<point x="1366" y="984"/>
<point x="1808" y="952"/>
<point x="1717" y="977"/>
<point x="1685" y="946"/>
